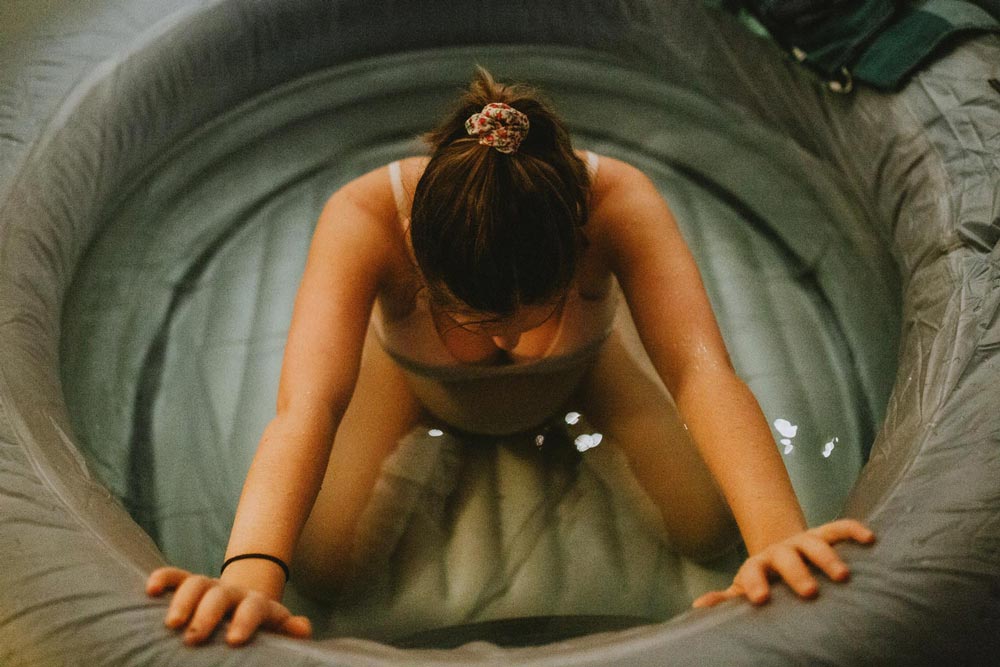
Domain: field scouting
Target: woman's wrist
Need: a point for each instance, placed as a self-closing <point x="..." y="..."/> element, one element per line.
<point x="774" y="533"/>
<point x="263" y="576"/>
<point x="257" y="556"/>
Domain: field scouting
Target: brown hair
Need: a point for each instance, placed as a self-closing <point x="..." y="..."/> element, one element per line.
<point x="494" y="230"/>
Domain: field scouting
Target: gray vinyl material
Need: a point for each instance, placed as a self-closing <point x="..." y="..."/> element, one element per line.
<point x="161" y="165"/>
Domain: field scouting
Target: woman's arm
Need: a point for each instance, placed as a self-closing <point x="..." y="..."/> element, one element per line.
<point x="319" y="370"/>
<point x="678" y="329"/>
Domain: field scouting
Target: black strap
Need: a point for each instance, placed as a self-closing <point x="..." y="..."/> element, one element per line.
<point x="274" y="559"/>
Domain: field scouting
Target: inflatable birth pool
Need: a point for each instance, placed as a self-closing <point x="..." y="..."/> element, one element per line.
<point x="162" y="163"/>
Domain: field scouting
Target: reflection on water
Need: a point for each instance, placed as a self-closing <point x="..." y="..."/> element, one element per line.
<point x="828" y="447"/>
<point x="563" y="428"/>
<point x="788" y="430"/>
<point x="582" y="441"/>
<point x="586" y="441"/>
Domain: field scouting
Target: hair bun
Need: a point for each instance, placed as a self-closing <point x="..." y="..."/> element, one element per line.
<point x="499" y="126"/>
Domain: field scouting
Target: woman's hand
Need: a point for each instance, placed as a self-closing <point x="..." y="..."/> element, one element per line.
<point x="787" y="559"/>
<point x="201" y="603"/>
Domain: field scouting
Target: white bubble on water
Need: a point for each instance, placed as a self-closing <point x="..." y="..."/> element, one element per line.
<point x="587" y="441"/>
<point x="786" y="428"/>
<point x="828" y="447"/>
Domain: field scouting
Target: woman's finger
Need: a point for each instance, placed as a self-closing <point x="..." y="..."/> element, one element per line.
<point x="713" y="598"/>
<point x="214" y="605"/>
<point x="297" y="626"/>
<point x="752" y="578"/>
<point x="186" y="599"/>
<point x="165" y="578"/>
<point x="281" y="620"/>
<point x="257" y="612"/>
<point x="844" y="529"/>
<point x="788" y="563"/>
<point x="823" y="556"/>
<point x="250" y="614"/>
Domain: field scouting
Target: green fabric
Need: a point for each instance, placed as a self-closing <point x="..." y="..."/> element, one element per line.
<point x="879" y="42"/>
<point x="835" y="43"/>
<point x="830" y="35"/>
<point x="913" y="37"/>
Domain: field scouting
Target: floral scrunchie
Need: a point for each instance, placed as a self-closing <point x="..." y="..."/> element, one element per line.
<point x="499" y="126"/>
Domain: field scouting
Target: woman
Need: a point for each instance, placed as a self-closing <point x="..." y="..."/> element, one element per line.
<point x="482" y="285"/>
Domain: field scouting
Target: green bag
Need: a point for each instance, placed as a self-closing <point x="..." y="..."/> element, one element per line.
<point x="877" y="41"/>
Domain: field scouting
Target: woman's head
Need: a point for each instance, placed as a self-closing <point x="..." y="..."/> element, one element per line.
<point x="499" y="230"/>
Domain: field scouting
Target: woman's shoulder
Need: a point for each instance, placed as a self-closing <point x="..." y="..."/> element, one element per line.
<point x="375" y="196"/>
<point x="623" y="201"/>
<point x="615" y="182"/>
<point x="614" y="176"/>
<point x="370" y="192"/>
<point x="412" y="168"/>
<point x="362" y="213"/>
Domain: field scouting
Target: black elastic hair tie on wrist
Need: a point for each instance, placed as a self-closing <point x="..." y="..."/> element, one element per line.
<point x="274" y="559"/>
